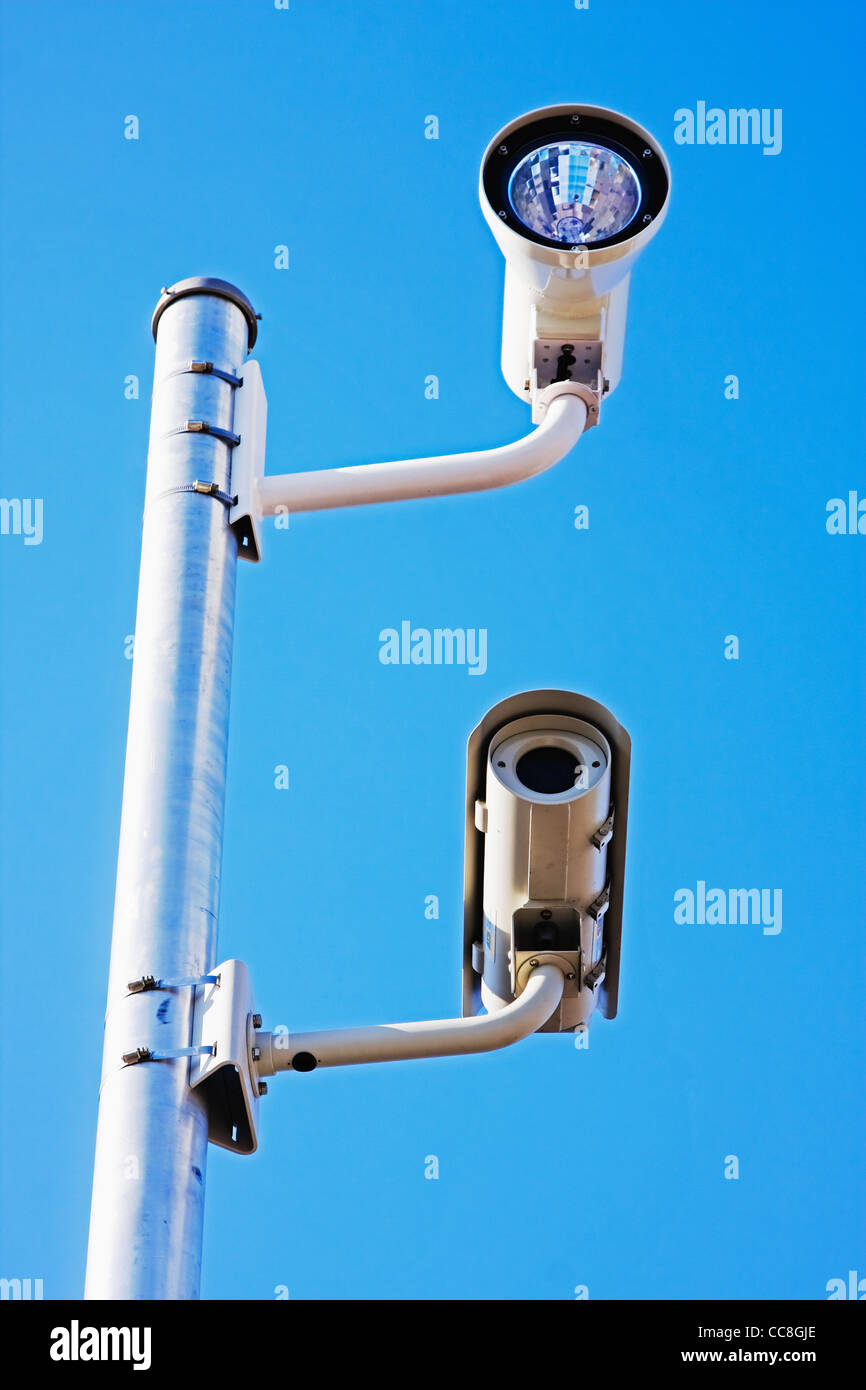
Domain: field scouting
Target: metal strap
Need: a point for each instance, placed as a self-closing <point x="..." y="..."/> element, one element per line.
<point x="144" y="1054"/>
<point x="205" y="427"/>
<point x="206" y="369"/>
<point x="148" y="982"/>
<point x="206" y="490"/>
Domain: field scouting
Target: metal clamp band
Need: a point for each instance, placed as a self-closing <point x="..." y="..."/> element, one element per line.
<point x="206" y="490"/>
<point x="206" y="369"/>
<point x="148" y="982"/>
<point x="205" y="427"/>
<point x="144" y="1054"/>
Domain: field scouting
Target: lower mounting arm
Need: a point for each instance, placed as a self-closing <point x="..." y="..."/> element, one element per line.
<point x="395" y="1042"/>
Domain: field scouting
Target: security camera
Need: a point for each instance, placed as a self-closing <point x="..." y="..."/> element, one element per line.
<point x="546" y="811"/>
<point x="572" y="195"/>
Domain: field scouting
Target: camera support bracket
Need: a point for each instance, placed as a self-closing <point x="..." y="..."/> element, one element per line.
<point x="567" y="367"/>
<point x="223" y="1063"/>
<point x="248" y="462"/>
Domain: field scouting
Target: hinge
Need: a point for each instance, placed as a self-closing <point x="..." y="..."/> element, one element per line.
<point x="593" y="976"/>
<point x="603" y="835"/>
<point x="599" y="907"/>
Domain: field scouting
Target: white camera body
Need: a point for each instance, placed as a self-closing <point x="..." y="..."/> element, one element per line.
<point x="560" y="296"/>
<point x="546" y="813"/>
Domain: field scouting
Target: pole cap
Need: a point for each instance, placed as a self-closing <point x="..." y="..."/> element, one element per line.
<point x="205" y="284"/>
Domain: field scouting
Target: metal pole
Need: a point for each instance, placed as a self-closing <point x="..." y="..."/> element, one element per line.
<point x="151" y="1144"/>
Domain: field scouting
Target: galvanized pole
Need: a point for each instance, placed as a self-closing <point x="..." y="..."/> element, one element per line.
<point x="151" y="1145"/>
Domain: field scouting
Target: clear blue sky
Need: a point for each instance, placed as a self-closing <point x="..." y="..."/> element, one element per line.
<point x="707" y="518"/>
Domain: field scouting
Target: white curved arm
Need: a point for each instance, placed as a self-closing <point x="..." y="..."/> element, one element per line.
<point x="362" y="484"/>
<point x="397" y="1042"/>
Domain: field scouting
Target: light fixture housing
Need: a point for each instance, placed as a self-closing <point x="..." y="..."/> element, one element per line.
<point x="572" y="195"/>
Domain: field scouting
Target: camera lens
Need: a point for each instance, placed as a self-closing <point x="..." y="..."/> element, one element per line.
<point x="548" y="770"/>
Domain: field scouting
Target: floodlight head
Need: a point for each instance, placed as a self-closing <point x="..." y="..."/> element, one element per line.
<point x="572" y="195"/>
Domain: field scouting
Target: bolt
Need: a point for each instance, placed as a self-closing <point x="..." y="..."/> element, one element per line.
<point x="503" y="149"/>
<point x="503" y="214"/>
<point x="263" y="1088"/>
<point x="647" y="154"/>
<point x="257" y="1020"/>
<point x="257" y="1054"/>
<point x="575" y="120"/>
<point x="570" y="975"/>
<point x="533" y="964"/>
<point x="647" y="217"/>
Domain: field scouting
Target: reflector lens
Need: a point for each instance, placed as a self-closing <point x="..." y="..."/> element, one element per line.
<point x="574" y="192"/>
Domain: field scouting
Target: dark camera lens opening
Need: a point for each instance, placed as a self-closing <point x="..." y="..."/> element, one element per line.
<point x="548" y="770"/>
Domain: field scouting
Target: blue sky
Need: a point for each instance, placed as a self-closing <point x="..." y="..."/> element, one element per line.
<point x="305" y="127"/>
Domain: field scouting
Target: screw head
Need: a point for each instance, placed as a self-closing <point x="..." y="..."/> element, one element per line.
<point x="570" y="975"/>
<point x="533" y="964"/>
<point x="647" y="217"/>
<point x="257" y="1054"/>
<point x="647" y="154"/>
<point x="263" y="1088"/>
<point x="575" y="120"/>
<point x="257" y="1020"/>
<point x="503" y="215"/>
<point x="503" y="149"/>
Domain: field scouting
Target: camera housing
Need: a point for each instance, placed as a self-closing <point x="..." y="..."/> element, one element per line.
<point x="546" y="815"/>
<point x="568" y="259"/>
